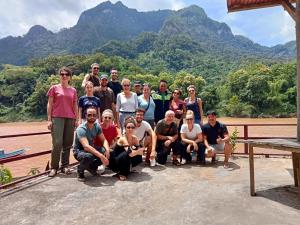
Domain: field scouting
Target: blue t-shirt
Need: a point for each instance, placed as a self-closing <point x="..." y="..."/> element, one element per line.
<point x="85" y="102"/>
<point x="149" y="114"/>
<point x="90" y="134"/>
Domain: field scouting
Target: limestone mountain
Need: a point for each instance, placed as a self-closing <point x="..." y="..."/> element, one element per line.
<point x="163" y="37"/>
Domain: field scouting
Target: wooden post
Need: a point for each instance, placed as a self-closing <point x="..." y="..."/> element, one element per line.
<point x="251" y="168"/>
<point x="298" y="65"/>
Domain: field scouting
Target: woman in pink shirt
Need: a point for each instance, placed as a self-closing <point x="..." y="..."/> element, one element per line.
<point x="62" y="111"/>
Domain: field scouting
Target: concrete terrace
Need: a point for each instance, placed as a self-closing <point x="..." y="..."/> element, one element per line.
<point x="190" y="194"/>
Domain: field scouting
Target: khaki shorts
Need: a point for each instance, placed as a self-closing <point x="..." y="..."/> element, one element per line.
<point x="217" y="148"/>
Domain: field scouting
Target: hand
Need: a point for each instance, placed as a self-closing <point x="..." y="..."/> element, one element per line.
<point x="107" y="154"/>
<point x="76" y="124"/>
<point x="195" y="146"/>
<point x="188" y="149"/>
<point x="219" y="140"/>
<point x="167" y="143"/>
<point x="49" y="125"/>
<point x="104" y="160"/>
<point x="140" y="151"/>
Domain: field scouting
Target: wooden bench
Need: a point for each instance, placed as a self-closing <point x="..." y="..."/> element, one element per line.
<point x="290" y="145"/>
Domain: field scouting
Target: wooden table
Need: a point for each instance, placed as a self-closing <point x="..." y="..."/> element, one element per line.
<point x="290" y="145"/>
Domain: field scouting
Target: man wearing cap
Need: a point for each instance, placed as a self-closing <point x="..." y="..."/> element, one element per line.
<point x="137" y="85"/>
<point x="105" y="94"/>
<point x="93" y="76"/>
<point x="216" y="138"/>
<point x="114" y="84"/>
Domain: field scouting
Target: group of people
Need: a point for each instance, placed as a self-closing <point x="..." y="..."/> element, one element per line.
<point x="115" y="126"/>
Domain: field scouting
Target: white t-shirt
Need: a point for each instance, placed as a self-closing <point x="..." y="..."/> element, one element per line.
<point x="125" y="104"/>
<point x="191" y="135"/>
<point x="139" y="132"/>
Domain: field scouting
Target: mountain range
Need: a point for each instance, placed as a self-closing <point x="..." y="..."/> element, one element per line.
<point x="165" y="36"/>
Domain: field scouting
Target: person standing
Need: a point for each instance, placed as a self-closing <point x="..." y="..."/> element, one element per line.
<point x="114" y="84"/>
<point x="146" y="102"/>
<point x="89" y="100"/>
<point x="105" y="94"/>
<point x="127" y="104"/>
<point x="137" y="86"/>
<point x="177" y="105"/>
<point x="92" y="76"/>
<point x="62" y="111"/>
<point x="195" y="104"/>
<point x="161" y="99"/>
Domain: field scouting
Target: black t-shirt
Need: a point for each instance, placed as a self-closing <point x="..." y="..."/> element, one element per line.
<point x="116" y="87"/>
<point x="212" y="133"/>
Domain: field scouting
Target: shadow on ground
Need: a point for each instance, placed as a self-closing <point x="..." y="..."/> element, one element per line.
<point x="286" y="195"/>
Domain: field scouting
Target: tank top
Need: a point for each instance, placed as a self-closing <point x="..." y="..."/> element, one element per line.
<point x="194" y="107"/>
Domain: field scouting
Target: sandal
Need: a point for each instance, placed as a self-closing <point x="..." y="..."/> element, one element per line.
<point x="176" y="162"/>
<point x="120" y="177"/>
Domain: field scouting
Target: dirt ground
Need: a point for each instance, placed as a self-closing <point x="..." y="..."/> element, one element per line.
<point x="43" y="142"/>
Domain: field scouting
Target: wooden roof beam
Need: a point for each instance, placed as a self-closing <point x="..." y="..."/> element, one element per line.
<point x="288" y="6"/>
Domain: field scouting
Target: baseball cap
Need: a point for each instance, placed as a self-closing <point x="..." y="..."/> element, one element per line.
<point x="103" y="76"/>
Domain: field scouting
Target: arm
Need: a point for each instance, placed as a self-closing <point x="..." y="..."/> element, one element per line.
<point x="138" y="151"/>
<point x="49" y="112"/>
<point x="201" y="110"/>
<point x="85" y="79"/>
<point x="153" y="139"/>
<point x="184" y="139"/>
<point x="88" y="148"/>
<point x="105" y="145"/>
<point x="99" y="115"/>
<point x="118" y="105"/>
<point x="79" y="115"/>
<point x="75" y="109"/>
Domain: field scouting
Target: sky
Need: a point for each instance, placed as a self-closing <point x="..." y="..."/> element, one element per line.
<point x="269" y="27"/>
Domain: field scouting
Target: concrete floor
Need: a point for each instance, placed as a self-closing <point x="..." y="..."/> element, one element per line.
<point x="190" y="194"/>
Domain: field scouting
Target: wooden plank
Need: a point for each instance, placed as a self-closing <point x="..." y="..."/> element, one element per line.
<point x="289" y="8"/>
<point x="295" y="170"/>
<point x="251" y="167"/>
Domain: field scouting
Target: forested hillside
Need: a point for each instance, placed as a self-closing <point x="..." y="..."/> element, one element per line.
<point x="251" y="90"/>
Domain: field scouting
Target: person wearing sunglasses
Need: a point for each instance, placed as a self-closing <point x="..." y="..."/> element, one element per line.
<point x="127" y="104"/>
<point x="87" y="101"/>
<point x="177" y="105"/>
<point x="192" y="140"/>
<point x="195" y="104"/>
<point x="85" y="152"/>
<point x="92" y="76"/>
<point x="62" y="109"/>
<point x="109" y="129"/>
<point x="127" y="152"/>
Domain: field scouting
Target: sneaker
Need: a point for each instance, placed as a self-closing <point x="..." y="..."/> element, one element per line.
<point x="183" y="161"/>
<point x="65" y="170"/>
<point x="93" y="172"/>
<point x="101" y="169"/>
<point x="52" y="173"/>
<point x="152" y="162"/>
<point x="80" y="177"/>
<point x="226" y="165"/>
<point x="176" y="162"/>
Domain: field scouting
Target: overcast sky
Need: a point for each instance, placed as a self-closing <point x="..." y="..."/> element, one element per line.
<point x="265" y="26"/>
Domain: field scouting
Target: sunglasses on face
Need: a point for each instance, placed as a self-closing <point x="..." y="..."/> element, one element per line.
<point x="126" y="85"/>
<point x="176" y="93"/>
<point x="91" y="115"/>
<point x="191" y="90"/>
<point x="96" y="68"/>
<point x="130" y="127"/>
<point x="64" y="74"/>
<point x="189" y="118"/>
<point x="107" y="117"/>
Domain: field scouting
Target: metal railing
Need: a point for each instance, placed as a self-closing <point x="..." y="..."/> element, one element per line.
<point x="21" y="157"/>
